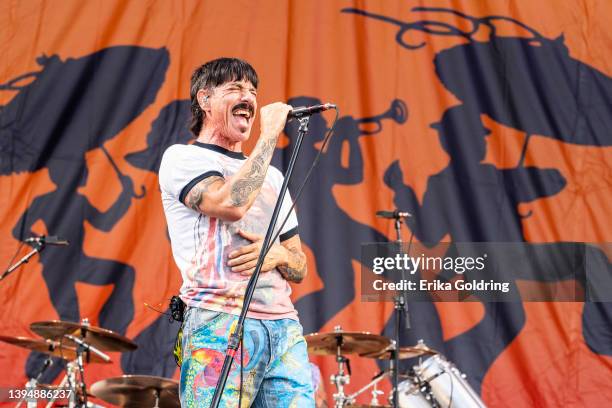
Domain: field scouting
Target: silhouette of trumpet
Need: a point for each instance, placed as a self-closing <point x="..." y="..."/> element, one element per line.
<point x="398" y="112"/>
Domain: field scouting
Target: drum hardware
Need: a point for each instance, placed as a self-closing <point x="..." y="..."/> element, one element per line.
<point x="54" y="348"/>
<point x="325" y="344"/>
<point x="419" y="350"/>
<point x="138" y="390"/>
<point x="33" y="383"/>
<point x="438" y="383"/>
<point x="78" y="343"/>
<point x="340" y="379"/>
<point x="82" y="335"/>
<point x="50" y="347"/>
<point x="101" y="339"/>
<point x="339" y="343"/>
<point x="375" y="392"/>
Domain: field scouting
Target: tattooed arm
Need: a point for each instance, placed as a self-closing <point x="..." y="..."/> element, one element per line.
<point x="231" y="199"/>
<point x="294" y="269"/>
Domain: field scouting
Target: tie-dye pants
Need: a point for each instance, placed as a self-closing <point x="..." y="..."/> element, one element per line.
<point x="276" y="370"/>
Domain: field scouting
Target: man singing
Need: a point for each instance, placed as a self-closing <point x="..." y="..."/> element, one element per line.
<point x="218" y="204"/>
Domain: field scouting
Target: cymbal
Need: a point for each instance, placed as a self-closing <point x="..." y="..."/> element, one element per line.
<point x="50" y="347"/>
<point x="404" y="352"/>
<point x="350" y="343"/>
<point x="137" y="391"/>
<point x="102" y="339"/>
<point x="53" y="387"/>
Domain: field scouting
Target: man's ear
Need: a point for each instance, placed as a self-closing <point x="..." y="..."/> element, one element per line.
<point x="202" y="97"/>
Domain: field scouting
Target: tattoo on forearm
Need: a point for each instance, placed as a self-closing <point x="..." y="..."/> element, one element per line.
<point x="295" y="270"/>
<point x="195" y="196"/>
<point x="252" y="181"/>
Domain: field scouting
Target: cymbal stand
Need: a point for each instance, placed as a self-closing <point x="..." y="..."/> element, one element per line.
<point x="341" y="378"/>
<point x="157" y="392"/>
<point x="33" y="383"/>
<point x="375" y="392"/>
<point x="79" y="364"/>
<point x="62" y="384"/>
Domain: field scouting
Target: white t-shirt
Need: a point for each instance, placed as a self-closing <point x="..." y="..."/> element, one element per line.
<point x="201" y="244"/>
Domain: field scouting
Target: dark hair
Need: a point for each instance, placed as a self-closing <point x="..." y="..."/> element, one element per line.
<point x="212" y="74"/>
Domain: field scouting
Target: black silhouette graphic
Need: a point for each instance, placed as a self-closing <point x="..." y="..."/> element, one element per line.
<point x="474" y="202"/>
<point x="170" y="127"/>
<point x="326" y="228"/>
<point x="156" y="342"/>
<point x="70" y="108"/>
<point x="531" y="84"/>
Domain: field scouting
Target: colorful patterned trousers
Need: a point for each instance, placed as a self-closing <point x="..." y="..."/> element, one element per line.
<point x="276" y="370"/>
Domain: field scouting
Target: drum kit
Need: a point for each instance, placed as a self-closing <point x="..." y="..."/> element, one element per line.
<point x="434" y="382"/>
<point x="80" y="344"/>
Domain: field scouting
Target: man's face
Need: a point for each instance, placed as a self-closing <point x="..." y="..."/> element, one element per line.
<point x="233" y="106"/>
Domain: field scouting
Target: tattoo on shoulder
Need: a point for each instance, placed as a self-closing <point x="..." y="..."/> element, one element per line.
<point x="252" y="181"/>
<point x="195" y="196"/>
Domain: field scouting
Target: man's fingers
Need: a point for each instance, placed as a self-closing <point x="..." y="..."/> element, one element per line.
<point x="245" y="266"/>
<point x="244" y="250"/>
<point x="249" y="235"/>
<point x="248" y="273"/>
<point x="243" y="258"/>
<point x="264" y="268"/>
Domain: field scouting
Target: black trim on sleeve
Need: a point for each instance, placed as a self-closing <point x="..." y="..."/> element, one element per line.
<point x="289" y="234"/>
<point x="195" y="181"/>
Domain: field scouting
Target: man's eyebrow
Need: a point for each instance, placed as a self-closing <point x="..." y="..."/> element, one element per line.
<point x="241" y="86"/>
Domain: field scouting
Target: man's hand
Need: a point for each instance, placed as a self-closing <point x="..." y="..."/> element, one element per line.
<point x="287" y="257"/>
<point x="244" y="259"/>
<point x="273" y="118"/>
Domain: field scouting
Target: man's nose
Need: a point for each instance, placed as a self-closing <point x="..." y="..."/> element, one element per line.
<point x="247" y="96"/>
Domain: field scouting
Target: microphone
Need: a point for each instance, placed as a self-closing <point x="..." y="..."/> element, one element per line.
<point x="309" y="110"/>
<point x="50" y="240"/>
<point x="395" y="214"/>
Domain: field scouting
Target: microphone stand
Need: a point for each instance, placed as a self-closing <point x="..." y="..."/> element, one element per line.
<point x="236" y="336"/>
<point x="38" y="247"/>
<point x="401" y="308"/>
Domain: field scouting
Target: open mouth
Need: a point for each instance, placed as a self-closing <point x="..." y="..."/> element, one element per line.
<point x="243" y="110"/>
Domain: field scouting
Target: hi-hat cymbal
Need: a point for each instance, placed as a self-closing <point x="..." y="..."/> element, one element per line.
<point x="137" y="391"/>
<point x="102" y="339"/>
<point x="349" y="342"/>
<point x="50" y="347"/>
<point x="404" y="352"/>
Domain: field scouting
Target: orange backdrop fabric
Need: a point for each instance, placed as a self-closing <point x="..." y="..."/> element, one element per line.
<point x="311" y="48"/>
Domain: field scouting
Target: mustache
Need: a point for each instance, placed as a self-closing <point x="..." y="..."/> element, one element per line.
<point x="245" y="105"/>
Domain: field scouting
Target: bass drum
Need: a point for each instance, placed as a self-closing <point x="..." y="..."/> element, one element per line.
<point x="409" y="396"/>
<point x="446" y="384"/>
